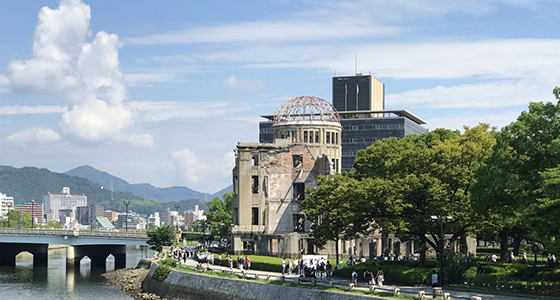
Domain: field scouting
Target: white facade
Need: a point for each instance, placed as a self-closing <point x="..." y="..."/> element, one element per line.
<point x="6" y="204"/>
<point x="154" y="219"/>
<point x="200" y="215"/>
<point x="54" y="202"/>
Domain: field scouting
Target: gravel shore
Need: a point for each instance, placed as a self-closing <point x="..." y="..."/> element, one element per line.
<point x="130" y="282"/>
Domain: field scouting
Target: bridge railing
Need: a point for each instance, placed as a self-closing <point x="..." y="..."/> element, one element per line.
<point x="122" y="234"/>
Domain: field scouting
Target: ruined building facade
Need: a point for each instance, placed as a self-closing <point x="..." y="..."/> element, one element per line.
<point x="269" y="180"/>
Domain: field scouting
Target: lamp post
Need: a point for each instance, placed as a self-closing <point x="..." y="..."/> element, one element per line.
<point x="126" y="204"/>
<point x="441" y="245"/>
<point x="177" y="208"/>
<point x="32" y="212"/>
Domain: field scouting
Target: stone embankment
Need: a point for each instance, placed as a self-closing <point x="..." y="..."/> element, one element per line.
<point x="130" y="282"/>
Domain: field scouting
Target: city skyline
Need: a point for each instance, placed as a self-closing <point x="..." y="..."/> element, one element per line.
<point x="161" y="92"/>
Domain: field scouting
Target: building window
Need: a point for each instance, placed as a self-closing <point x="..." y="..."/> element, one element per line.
<point x="297" y="160"/>
<point x="353" y="127"/>
<point x="255" y="160"/>
<point x="305" y="136"/>
<point x="353" y="141"/>
<point x="335" y="140"/>
<point x="299" y="222"/>
<point x="311" y="137"/>
<point x="255" y="216"/>
<point x="317" y="137"/>
<point x="328" y="138"/>
<point x="255" y="184"/>
<point x="235" y="216"/>
<point x="299" y="191"/>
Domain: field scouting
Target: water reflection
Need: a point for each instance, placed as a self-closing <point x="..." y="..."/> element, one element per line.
<point x="58" y="282"/>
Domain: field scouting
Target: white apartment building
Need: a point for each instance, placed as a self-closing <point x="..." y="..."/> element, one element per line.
<point x="6" y="204"/>
<point x="154" y="219"/>
<point x="54" y="202"/>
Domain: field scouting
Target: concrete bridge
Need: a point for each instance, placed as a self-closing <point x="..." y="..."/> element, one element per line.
<point x="97" y="245"/>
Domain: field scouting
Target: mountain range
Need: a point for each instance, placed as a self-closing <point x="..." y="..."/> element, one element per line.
<point x="144" y="190"/>
<point x="27" y="183"/>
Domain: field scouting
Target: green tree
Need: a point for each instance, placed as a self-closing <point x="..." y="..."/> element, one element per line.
<point x="220" y="214"/>
<point x="53" y="224"/>
<point x="426" y="175"/>
<point x="161" y="236"/>
<point x="14" y="218"/>
<point x="508" y="184"/>
<point x="26" y="220"/>
<point x="330" y="209"/>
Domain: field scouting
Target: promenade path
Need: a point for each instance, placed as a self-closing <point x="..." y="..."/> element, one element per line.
<point x="344" y="282"/>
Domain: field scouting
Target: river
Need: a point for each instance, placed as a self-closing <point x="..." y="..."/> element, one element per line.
<point x="55" y="282"/>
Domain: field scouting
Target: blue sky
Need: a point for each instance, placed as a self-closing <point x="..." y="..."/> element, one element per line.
<point x="162" y="91"/>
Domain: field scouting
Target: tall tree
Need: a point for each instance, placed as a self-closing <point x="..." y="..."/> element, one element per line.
<point x="220" y="213"/>
<point x="429" y="175"/>
<point x="509" y="182"/>
<point x="160" y="236"/>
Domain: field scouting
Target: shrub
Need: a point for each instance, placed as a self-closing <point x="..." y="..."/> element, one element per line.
<point x="169" y="262"/>
<point x="402" y="272"/>
<point x="161" y="272"/>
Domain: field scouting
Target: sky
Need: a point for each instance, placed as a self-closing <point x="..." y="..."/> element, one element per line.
<point x="161" y="92"/>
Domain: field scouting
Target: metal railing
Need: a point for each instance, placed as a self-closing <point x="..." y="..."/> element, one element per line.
<point x="124" y="234"/>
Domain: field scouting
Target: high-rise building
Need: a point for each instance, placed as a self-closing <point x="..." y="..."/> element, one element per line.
<point x="360" y="102"/>
<point x="54" y="202"/>
<point x="165" y="218"/>
<point x="6" y="204"/>
<point x="34" y="209"/>
<point x="85" y="215"/>
<point x="190" y="217"/>
<point x="360" y="92"/>
<point x="110" y="215"/>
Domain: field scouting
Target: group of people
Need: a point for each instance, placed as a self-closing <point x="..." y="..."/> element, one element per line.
<point x="317" y="268"/>
<point x="369" y="279"/>
<point x="242" y="263"/>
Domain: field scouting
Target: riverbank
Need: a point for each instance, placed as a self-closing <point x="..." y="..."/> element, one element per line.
<point x="130" y="282"/>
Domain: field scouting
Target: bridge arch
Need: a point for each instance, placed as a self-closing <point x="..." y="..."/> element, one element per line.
<point x="9" y="251"/>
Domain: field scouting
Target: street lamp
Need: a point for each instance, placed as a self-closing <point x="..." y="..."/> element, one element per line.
<point x="441" y="245"/>
<point x="126" y="204"/>
<point x="177" y="208"/>
<point x="32" y="212"/>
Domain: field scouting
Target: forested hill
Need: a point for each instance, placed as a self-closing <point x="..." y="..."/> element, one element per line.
<point x="25" y="184"/>
<point x="145" y="190"/>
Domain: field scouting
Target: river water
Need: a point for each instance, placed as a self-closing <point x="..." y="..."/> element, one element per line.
<point x="55" y="282"/>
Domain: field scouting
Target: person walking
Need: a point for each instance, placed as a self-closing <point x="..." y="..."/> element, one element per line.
<point x="367" y="276"/>
<point x="329" y="270"/>
<point x="283" y="266"/>
<point x="380" y="277"/>
<point x="296" y="266"/>
<point x="434" y="278"/>
<point x="247" y="263"/>
<point x="355" y="278"/>
<point x="230" y="262"/>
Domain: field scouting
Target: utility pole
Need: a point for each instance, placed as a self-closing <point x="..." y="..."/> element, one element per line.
<point x="177" y="208"/>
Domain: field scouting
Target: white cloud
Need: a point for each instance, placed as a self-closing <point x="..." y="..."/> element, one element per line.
<point x="24" y="109"/>
<point x="483" y="95"/>
<point x="473" y="119"/>
<point x="243" y="84"/>
<point x="187" y="165"/>
<point x="146" y="79"/>
<point x="84" y="75"/>
<point x="33" y="135"/>
<point x="155" y="111"/>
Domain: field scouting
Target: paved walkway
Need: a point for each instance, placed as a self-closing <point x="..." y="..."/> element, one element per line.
<point x="343" y="282"/>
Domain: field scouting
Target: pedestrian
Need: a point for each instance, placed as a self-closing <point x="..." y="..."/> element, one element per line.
<point x="240" y="263"/>
<point x="230" y="262"/>
<point x="219" y="259"/>
<point x="329" y="270"/>
<point x="434" y="278"/>
<point x="479" y="269"/>
<point x="283" y="266"/>
<point x="296" y="266"/>
<point x="247" y="263"/>
<point x="290" y="267"/>
<point x="355" y="278"/>
<point x="380" y="277"/>
<point x="367" y="276"/>
<point x="494" y="257"/>
<point x="524" y="258"/>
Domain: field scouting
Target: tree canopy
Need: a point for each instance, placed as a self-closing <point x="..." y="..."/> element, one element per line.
<point x="160" y="236"/>
<point x="220" y="214"/>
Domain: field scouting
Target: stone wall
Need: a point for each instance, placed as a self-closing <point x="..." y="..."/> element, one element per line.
<point x="182" y="285"/>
